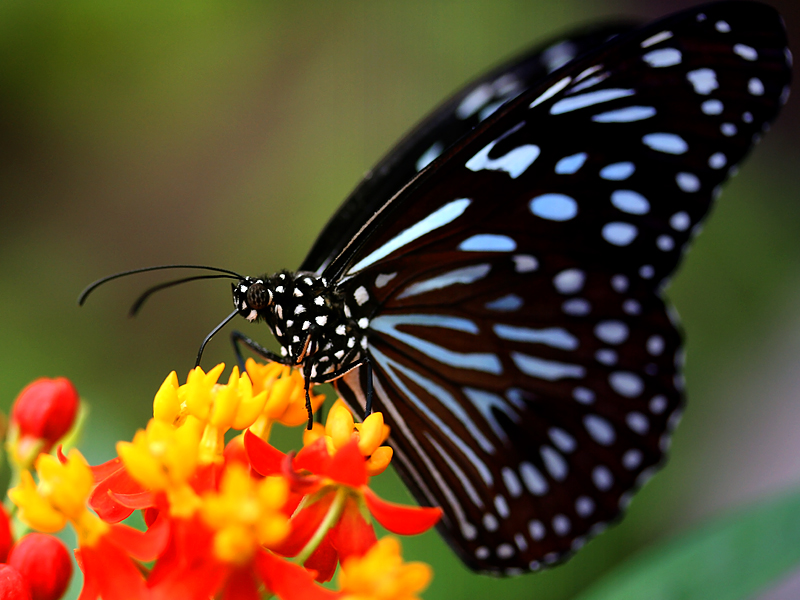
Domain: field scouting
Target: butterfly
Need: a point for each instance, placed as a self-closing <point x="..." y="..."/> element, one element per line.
<point x="494" y="284"/>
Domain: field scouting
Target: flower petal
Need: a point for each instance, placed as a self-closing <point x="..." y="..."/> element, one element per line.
<point x="352" y="535"/>
<point x="348" y="466"/>
<point x="289" y="581"/>
<point x="264" y="458"/>
<point x="398" y="518"/>
<point x="142" y="545"/>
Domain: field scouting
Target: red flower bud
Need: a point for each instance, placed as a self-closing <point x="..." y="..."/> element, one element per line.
<point x="45" y="564"/>
<point x="45" y="410"/>
<point x="12" y="584"/>
<point x="5" y="534"/>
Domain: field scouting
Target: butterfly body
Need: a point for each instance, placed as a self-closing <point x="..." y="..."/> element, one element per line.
<point x="312" y="321"/>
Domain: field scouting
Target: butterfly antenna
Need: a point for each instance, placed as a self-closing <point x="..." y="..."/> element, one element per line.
<point x="212" y="334"/>
<point x="162" y="286"/>
<point x="93" y="286"/>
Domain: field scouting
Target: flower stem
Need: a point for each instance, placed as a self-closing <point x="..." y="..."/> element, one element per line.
<point x="331" y="518"/>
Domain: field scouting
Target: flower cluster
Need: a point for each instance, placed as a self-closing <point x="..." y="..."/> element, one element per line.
<point x="227" y="519"/>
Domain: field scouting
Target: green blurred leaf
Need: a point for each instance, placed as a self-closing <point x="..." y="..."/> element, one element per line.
<point x="727" y="559"/>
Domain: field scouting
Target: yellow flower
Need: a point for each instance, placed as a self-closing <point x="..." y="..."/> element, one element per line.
<point x="381" y="574"/>
<point x="163" y="458"/>
<point x="340" y="428"/>
<point x="245" y="514"/>
<point x="216" y="407"/>
<point x="286" y="397"/>
<point x="61" y="496"/>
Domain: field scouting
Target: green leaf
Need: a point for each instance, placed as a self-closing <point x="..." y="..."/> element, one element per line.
<point x="727" y="559"/>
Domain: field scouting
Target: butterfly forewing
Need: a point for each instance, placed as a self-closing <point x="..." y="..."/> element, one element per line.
<point x="448" y="124"/>
<point x="520" y="348"/>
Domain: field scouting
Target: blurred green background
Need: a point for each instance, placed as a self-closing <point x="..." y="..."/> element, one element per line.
<point x="226" y="132"/>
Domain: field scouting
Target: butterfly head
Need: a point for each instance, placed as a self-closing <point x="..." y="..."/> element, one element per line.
<point x="252" y="297"/>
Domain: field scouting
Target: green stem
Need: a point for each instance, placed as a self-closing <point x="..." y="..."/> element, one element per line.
<point x="331" y="518"/>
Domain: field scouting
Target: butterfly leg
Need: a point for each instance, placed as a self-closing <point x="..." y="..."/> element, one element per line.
<point x="238" y="338"/>
<point x="368" y="408"/>
<point x="307" y="387"/>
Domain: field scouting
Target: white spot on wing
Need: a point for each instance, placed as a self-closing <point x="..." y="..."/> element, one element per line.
<point x="551" y="91"/>
<point x="534" y="481"/>
<point x="688" y="182"/>
<point x="656" y="39"/>
<point x="429" y="156"/>
<point x="525" y="263"/>
<point x="473" y="101"/>
<point x="488" y="242"/>
<point x="629" y="114"/>
<point x="549" y="370"/>
<point x="669" y="143"/>
<point x="439" y="218"/>
<point x="457" y="276"/>
<point x="589" y="99"/>
<point x="712" y="107"/>
<point x="746" y="52"/>
<point x="570" y="164"/>
<point x="569" y="281"/>
<point x="554" y="207"/>
<point x="755" y="87"/>
<point x="619" y="233"/>
<point x="626" y="384"/>
<point x="515" y="162"/>
<point x="630" y="202"/>
<point x="704" y="81"/>
<point x="663" y="57"/>
<point x="555" y="337"/>
<point x="617" y="171"/>
<point x="384" y="278"/>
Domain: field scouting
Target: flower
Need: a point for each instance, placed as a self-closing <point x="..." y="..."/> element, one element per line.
<point x="221" y="518"/>
<point x="107" y="553"/>
<point x="286" y="399"/>
<point x="44" y="563"/>
<point x="329" y="478"/>
<point x="42" y="414"/>
<point x="381" y="574"/>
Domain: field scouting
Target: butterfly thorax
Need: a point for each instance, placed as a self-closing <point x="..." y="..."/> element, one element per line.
<point x="310" y="319"/>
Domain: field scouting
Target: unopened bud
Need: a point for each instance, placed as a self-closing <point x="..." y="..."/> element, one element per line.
<point x="12" y="584"/>
<point x="44" y="563"/>
<point x="42" y="414"/>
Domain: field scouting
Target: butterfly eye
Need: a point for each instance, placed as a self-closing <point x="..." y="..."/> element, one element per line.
<point x="258" y="296"/>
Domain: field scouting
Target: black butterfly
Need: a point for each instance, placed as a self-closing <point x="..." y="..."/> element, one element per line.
<point x="495" y="282"/>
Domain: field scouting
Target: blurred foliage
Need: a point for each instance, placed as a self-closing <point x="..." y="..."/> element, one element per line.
<point x="728" y="559"/>
<point x="227" y="132"/>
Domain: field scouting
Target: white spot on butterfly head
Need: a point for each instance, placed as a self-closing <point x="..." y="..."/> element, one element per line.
<point x="722" y="26"/>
